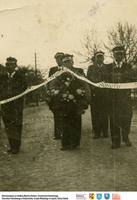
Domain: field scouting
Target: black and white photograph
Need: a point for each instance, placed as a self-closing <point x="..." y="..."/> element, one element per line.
<point x="68" y="95"/>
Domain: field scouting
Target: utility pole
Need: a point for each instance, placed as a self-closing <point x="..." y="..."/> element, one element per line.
<point x="36" y="95"/>
<point x="35" y="55"/>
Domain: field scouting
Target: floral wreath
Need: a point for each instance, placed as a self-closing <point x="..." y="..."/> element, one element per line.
<point x="67" y="95"/>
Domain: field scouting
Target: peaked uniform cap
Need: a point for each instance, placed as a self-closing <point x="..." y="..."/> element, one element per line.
<point x="118" y="49"/>
<point x="67" y="57"/>
<point x="11" y="60"/>
<point x="99" y="53"/>
<point x="59" y="54"/>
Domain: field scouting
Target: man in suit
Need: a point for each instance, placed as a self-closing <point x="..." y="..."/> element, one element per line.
<point x="56" y="112"/>
<point x="3" y="76"/>
<point x="72" y="116"/>
<point x="58" y="57"/>
<point x="99" y="107"/>
<point x="12" y="112"/>
<point x="120" y="100"/>
<point x="2" y="86"/>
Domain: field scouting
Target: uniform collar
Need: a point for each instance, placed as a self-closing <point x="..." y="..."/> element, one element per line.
<point x="100" y="65"/>
<point x="118" y="65"/>
<point x="11" y="75"/>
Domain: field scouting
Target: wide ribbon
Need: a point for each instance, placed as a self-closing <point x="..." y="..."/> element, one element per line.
<point x="132" y="85"/>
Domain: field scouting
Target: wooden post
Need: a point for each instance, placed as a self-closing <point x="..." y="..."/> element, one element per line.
<point x="36" y="94"/>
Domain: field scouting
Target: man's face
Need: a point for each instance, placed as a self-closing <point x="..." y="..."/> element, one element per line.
<point x="11" y="66"/>
<point x="119" y="56"/>
<point x="100" y="59"/>
<point x="59" y="60"/>
<point x="68" y="63"/>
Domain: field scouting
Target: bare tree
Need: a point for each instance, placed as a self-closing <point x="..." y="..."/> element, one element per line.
<point x="126" y="35"/>
<point x="90" y="44"/>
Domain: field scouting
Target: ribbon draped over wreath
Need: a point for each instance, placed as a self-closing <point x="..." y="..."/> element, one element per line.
<point x="121" y="86"/>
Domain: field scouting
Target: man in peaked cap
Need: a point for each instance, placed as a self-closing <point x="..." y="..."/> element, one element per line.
<point x="11" y="60"/>
<point x="57" y="117"/>
<point x="72" y="117"/>
<point x="58" y="57"/>
<point x="120" y="100"/>
<point x="99" y="107"/>
<point x="12" y="112"/>
<point x="68" y="61"/>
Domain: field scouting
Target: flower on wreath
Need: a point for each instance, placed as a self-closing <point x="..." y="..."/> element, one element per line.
<point x="67" y="83"/>
<point x="54" y="92"/>
<point x="80" y="92"/>
<point x="67" y="95"/>
<point x="66" y="78"/>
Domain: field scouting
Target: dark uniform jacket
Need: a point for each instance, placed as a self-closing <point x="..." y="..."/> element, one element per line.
<point x="14" y="84"/>
<point x="98" y="95"/>
<point x="12" y="112"/>
<point x="120" y="99"/>
<point x="53" y="70"/>
<point x="3" y="77"/>
<point x="72" y="119"/>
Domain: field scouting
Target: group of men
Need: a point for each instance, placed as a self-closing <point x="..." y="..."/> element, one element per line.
<point x="108" y="106"/>
<point x="112" y="105"/>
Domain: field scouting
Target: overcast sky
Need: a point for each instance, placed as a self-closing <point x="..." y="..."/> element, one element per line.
<point x="48" y="26"/>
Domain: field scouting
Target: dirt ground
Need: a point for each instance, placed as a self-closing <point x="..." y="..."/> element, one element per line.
<point x="42" y="166"/>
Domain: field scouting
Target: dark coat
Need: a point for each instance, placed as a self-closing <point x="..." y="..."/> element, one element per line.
<point x="53" y="70"/>
<point x="3" y="77"/>
<point x="12" y="112"/>
<point x="13" y="85"/>
<point x="72" y="120"/>
<point x="99" y="96"/>
<point x="120" y="100"/>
